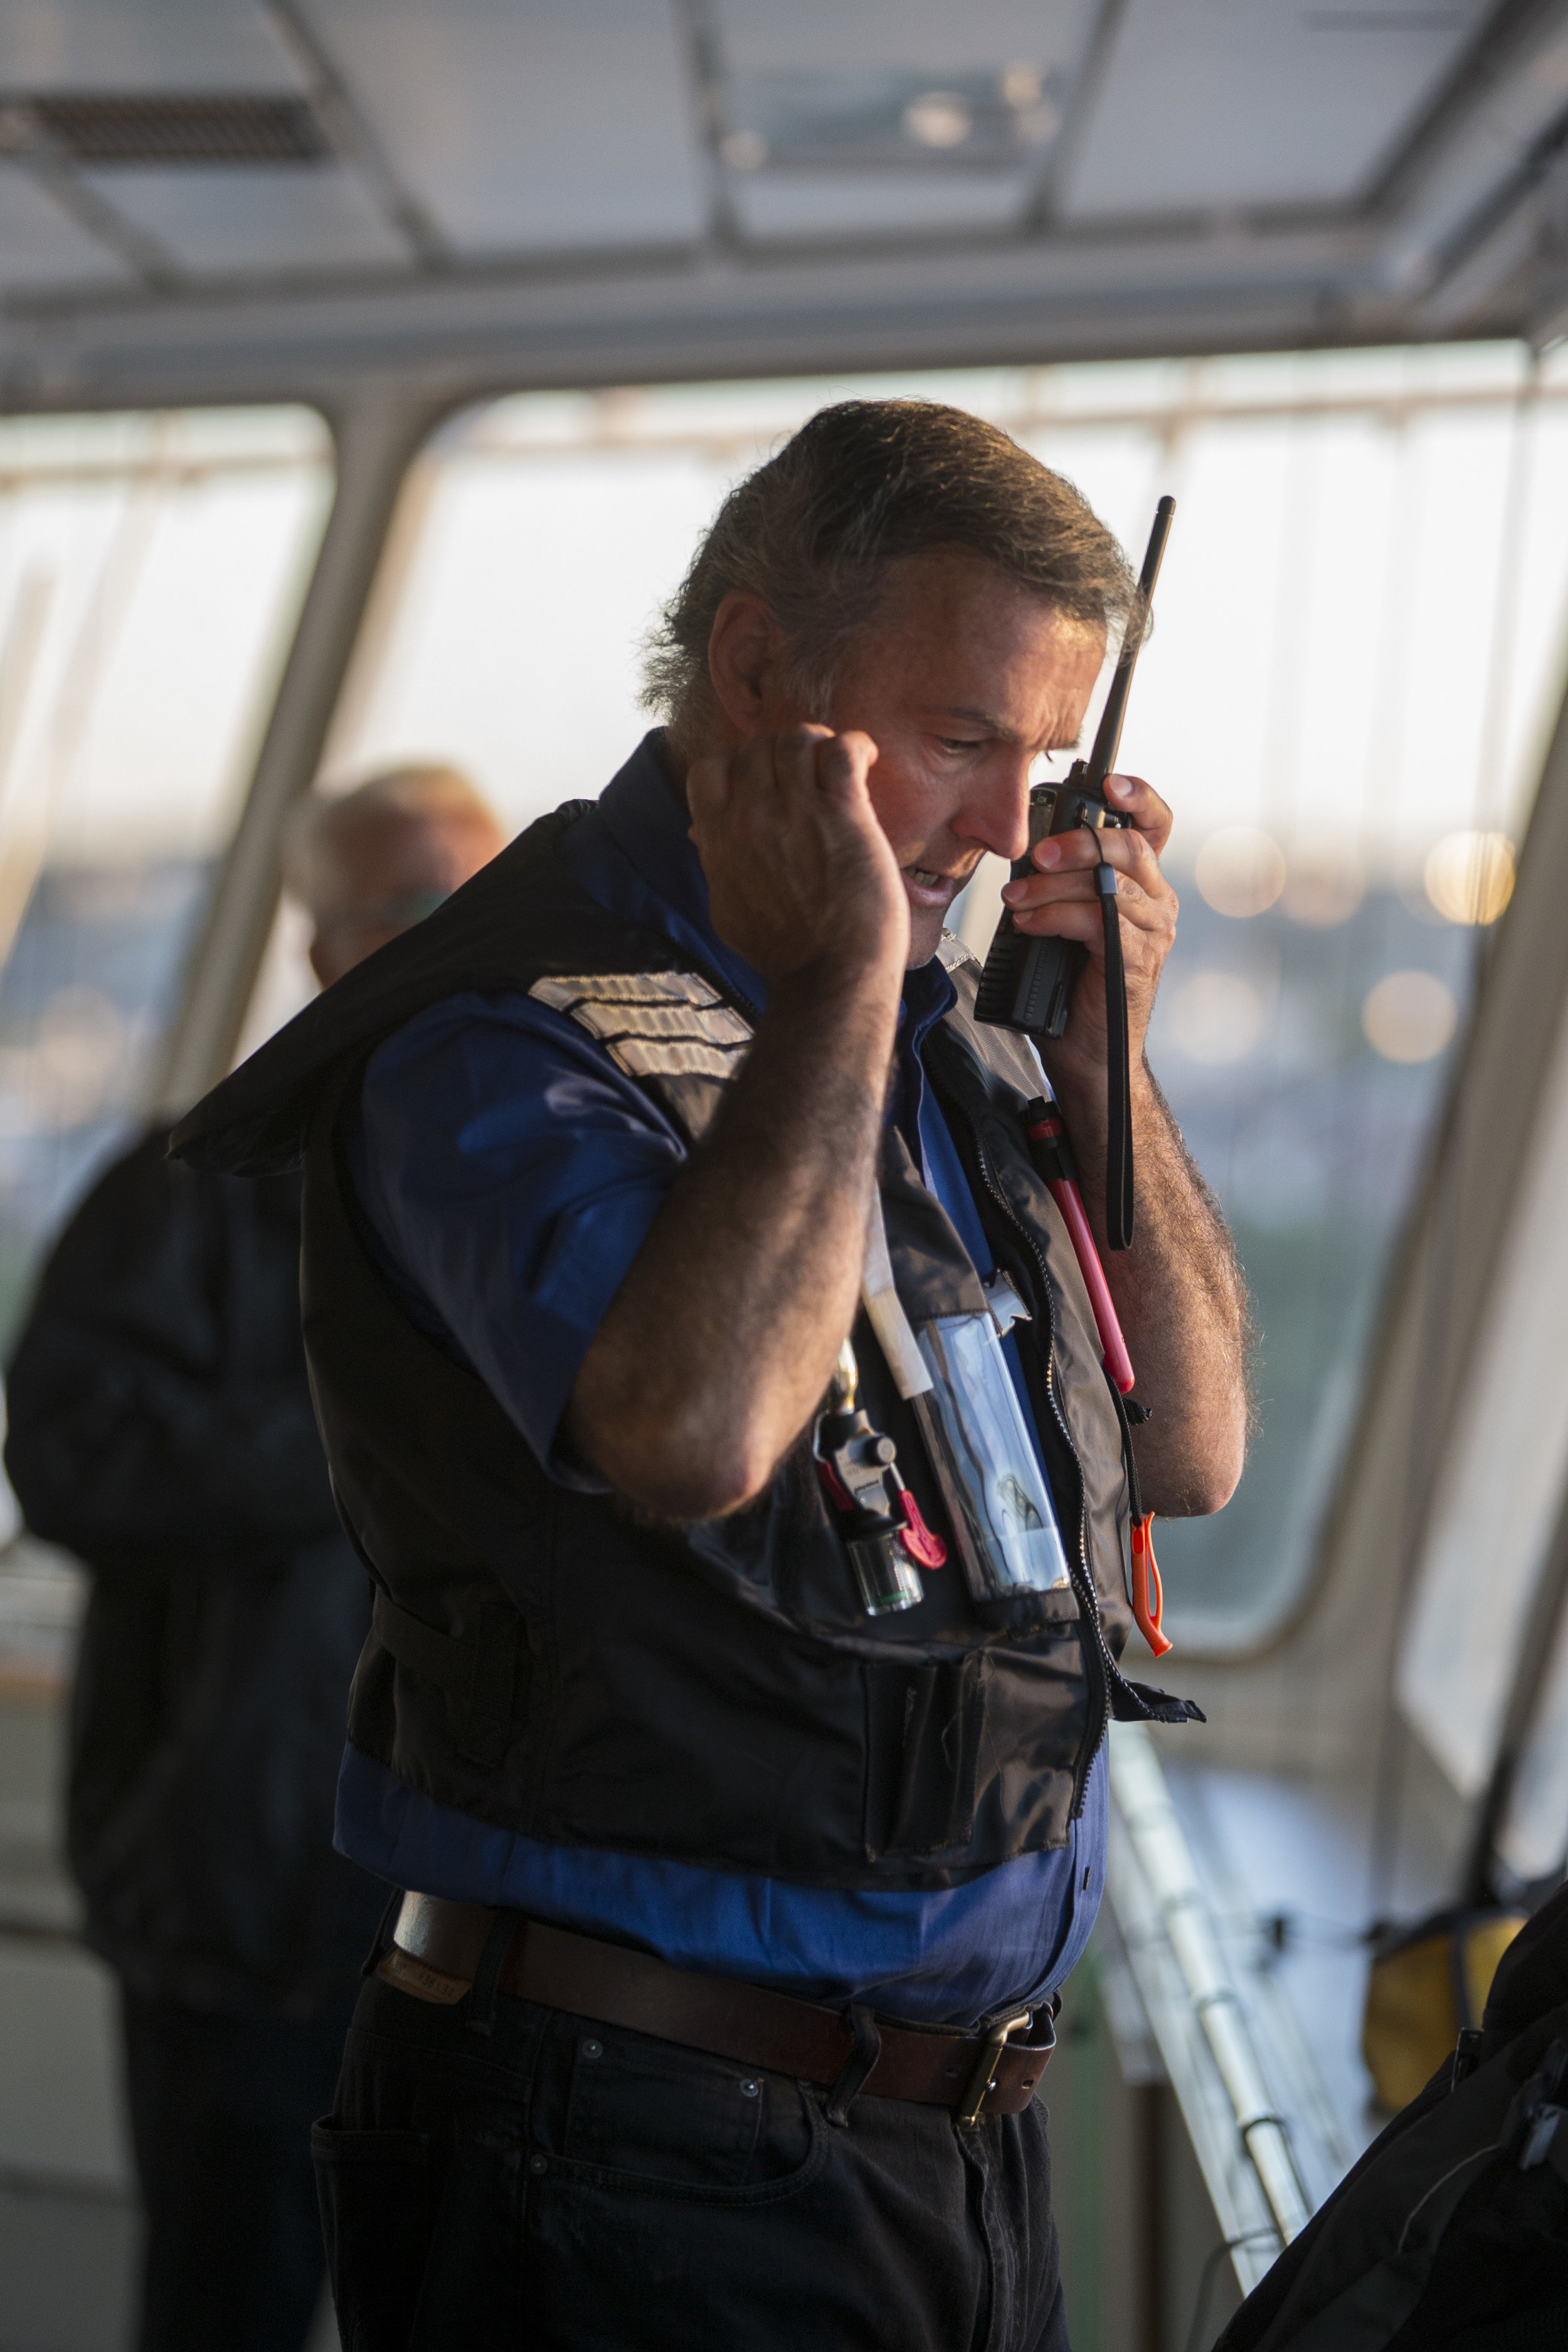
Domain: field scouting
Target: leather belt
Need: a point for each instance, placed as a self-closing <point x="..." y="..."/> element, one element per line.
<point x="437" y="1949"/>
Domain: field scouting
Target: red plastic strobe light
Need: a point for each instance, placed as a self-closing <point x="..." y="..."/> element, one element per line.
<point x="924" y="1546"/>
<point x="1148" y="1593"/>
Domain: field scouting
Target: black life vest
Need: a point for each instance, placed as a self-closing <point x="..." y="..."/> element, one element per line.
<point x="549" y="1661"/>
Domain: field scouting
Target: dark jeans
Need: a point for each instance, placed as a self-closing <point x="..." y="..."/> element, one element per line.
<point x="221" y="2109"/>
<point x="559" y="2185"/>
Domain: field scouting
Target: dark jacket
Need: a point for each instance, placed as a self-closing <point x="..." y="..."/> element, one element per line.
<point x="547" y="1661"/>
<point x="161" y="1428"/>
<point x="1450" y="2235"/>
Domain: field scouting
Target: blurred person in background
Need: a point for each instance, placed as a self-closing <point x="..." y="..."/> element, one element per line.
<point x="161" y="1428"/>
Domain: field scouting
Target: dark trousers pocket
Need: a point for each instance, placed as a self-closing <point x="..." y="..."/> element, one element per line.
<point x="375" y="2194"/>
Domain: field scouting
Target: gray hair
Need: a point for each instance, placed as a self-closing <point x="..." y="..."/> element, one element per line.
<point x="317" y="839"/>
<point x="813" y="530"/>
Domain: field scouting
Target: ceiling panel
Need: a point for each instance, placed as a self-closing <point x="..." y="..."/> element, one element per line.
<point x="113" y="45"/>
<point x="781" y="204"/>
<point x="41" y="245"/>
<point x="508" y="130"/>
<point x="925" y="36"/>
<point x="566" y="123"/>
<point x="1226" y="103"/>
<point x="268" y="220"/>
<point x="970" y="101"/>
<point x="892" y="119"/>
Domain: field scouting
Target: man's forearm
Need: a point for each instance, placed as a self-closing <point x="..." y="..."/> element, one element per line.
<point x="720" y="1343"/>
<point x="1181" y="1300"/>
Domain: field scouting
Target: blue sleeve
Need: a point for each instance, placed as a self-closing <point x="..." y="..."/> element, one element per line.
<point x="510" y="1174"/>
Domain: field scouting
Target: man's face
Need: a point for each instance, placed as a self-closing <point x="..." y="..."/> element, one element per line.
<point x="393" y="871"/>
<point x="961" y="680"/>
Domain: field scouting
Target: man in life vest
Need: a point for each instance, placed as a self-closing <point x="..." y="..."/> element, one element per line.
<point x="713" y="1393"/>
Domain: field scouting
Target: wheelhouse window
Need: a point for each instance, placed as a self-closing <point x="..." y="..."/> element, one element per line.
<point x="150" y="570"/>
<point x="1358" y="651"/>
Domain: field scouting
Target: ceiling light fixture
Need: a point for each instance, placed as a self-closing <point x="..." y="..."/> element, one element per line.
<point x="939" y="117"/>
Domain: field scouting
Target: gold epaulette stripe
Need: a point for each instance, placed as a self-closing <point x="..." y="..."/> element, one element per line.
<point x="651" y="1057"/>
<point x="697" y="1023"/>
<point x="626" y="988"/>
<point x="653" y="1023"/>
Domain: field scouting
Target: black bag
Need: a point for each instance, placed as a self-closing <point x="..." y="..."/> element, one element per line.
<point x="1452" y="2230"/>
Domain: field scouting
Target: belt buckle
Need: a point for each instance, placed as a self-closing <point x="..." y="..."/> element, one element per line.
<point x="984" y="2075"/>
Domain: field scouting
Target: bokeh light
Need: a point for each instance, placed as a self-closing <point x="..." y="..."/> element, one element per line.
<point x="1240" y="870"/>
<point x="1216" y="1016"/>
<point x="1469" y="875"/>
<point x="1409" y="1016"/>
<point x="1324" y="883"/>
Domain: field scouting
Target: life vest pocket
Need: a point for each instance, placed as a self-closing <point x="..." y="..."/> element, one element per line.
<point x="924" y="1739"/>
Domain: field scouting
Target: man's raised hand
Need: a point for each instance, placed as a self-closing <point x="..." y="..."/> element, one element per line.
<point x="799" y="870"/>
<point x="1061" y="899"/>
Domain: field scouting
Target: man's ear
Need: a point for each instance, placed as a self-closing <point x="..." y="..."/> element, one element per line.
<point x="743" y="648"/>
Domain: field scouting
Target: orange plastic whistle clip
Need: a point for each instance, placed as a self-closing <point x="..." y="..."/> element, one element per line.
<point x="1148" y="1594"/>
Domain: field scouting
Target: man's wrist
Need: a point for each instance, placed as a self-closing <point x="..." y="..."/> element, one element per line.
<point x="853" y="980"/>
<point x="1080" y="1095"/>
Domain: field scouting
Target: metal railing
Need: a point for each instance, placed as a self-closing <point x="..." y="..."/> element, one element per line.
<point x="1199" y="2020"/>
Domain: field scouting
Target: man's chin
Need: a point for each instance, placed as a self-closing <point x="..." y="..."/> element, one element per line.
<point x="925" y="936"/>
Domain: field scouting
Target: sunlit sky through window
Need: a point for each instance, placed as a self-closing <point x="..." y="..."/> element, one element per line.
<point x="1359" y="629"/>
<point x="149" y="567"/>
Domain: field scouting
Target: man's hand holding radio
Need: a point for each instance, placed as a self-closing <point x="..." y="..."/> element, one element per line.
<point x="1062" y="900"/>
<point x="1178" y="1289"/>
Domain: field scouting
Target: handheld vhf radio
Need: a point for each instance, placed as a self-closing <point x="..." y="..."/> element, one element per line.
<point x="1027" y="982"/>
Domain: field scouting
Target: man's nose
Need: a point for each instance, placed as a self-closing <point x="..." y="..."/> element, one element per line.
<point x="998" y="814"/>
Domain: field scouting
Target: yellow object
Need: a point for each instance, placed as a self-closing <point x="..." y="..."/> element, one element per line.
<point x="1424" y="1990"/>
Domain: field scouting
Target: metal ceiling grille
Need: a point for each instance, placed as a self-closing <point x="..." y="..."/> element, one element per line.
<point x="230" y="128"/>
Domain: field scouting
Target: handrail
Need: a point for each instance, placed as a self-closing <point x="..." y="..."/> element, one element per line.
<point x="1159" y="1846"/>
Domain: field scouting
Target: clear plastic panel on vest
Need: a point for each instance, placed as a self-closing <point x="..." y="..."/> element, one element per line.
<point x="984" y="1462"/>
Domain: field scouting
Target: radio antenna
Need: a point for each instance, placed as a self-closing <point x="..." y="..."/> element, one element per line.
<point x="1108" y="738"/>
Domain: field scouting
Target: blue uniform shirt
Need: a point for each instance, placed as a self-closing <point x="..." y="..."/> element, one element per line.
<point x="510" y="1173"/>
